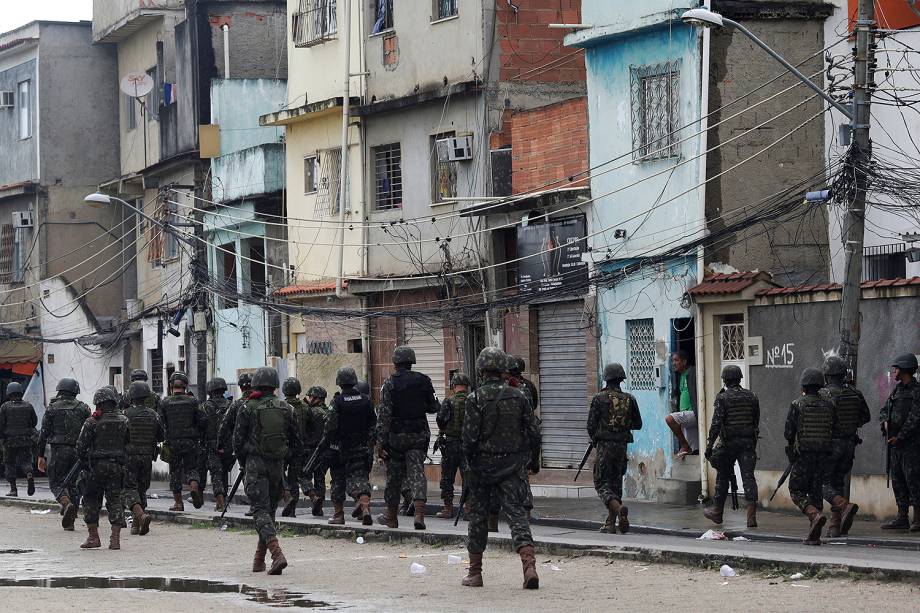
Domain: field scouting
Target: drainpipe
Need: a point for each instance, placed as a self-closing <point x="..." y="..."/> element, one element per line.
<point x="226" y="30"/>
<point x="343" y="173"/>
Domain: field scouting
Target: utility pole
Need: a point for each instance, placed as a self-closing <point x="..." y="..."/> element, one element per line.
<point x="859" y="156"/>
<point x="343" y="171"/>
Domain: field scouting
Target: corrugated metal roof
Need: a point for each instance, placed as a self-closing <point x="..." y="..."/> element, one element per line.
<point x="728" y="283"/>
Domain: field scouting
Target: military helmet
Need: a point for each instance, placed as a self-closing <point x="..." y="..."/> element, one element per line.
<point x="732" y="372"/>
<point x="68" y="385"/>
<point x="834" y="366"/>
<point x="346" y="376"/>
<point x="266" y="376"/>
<point x="811" y="377"/>
<point x="614" y="372"/>
<point x="178" y="376"/>
<point x="138" y="390"/>
<point x="14" y="389"/>
<point x="905" y="361"/>
<point x="317" y="392"/>
<point x="216" y="384"/>
<point x="290" y="387"/>
<point x="460" y="379"/>
<point x="491" y="358"/>
<point x="244" y="380"/>
<point x="515" y="364"/>
<point x="363" y="387"/>
<point x="138" y="374"/>
<point x="105" y="394"/>
<point x="404" y="354"/>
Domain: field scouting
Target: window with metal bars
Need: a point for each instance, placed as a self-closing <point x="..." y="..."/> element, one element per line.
<point x="156" y="370"/>
<point x="314" y="22"/>
<point x="732" y="342"/>
<point x="383" y="16"/>
<point x="640" y="339"/>
<point x="443" y="171"/>
<point x="388" y="171"/>
<point x="884" y="262"/>
<point x="444" y="8"/>
<point x="655" y="93"/>
<point x="327" y="190"/>
<point x="6" y="253"/>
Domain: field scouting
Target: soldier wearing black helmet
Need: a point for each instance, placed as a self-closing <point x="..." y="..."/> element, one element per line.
<point x="852" y="412"/>
<point x="450" y="426"/>
<point x="516" y="368"/>
<point x="152" y="401"/>
<point x="809" y="433"/>
<point x="900" y="419"/>
<point x="612" y="417"/>
<point x="185" y="426"/>
<point x="265" y="434"/>
<point x="212" y="460"/>
<point x="146" y="431"/>
<point x="61" y="426"/>
<point x="17" y="426"/>
<point x="227" y="425"/>
<point x="733" y="434"/>
<point x="313" y="483"/>
<point x="403" y="435"/>
<point x="101" y="448"/>
<point x="291" y="389"/>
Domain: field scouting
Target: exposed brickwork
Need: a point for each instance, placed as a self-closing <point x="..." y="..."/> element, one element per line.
<point x="530" y="50"/>
<point x="549" y="144"/>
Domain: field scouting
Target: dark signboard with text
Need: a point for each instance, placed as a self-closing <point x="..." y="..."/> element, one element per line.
<point x="551" y="253"/>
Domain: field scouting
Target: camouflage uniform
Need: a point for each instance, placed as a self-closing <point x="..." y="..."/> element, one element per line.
<point x="450" y="422"/>
<point x="902" y="411"/>
<point x="218" y="464"/>
<point x="17" y="427"/>
<point x="852" y="412"/>
<point x="228" y="425"/>
<point x="184" y="424"/>
<point x="61" y="426"/>
<point x="732" y="438"/>
<point x="311" y="420"/>
<point x="613" y="416"/>
<point x="146" y="430"/>
<point x="349" y="428"/>
<point x="809" y="430"/>
<point x="101" y="447"/>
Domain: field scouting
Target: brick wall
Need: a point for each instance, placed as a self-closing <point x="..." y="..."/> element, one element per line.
<point x="548" y="144"/>
<point x="530" y="50"/>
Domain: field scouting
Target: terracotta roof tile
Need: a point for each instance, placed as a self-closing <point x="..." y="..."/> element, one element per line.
<point x="727" y="283"/>
<point x="307" y="289"/>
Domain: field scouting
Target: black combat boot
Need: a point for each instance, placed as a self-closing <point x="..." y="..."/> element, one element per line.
<point x="317" y="509"/>
<point x="714" y="513"/>
<point x="30" y="484"/>
<point x="474" y="576"/>
<point x="898" y="523"/>
<point x="529" y="564"/>
<point x="817" y="524"/>
<point x="13" y="491"/>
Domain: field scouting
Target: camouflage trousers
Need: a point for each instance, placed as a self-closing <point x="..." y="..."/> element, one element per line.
<point x="137" y="480"/>
<point x="350" y="474"/>
<point x="63" y="457"/>
<point x="406" y="466"/>
<point x="264" y="485"/>
<point x="315" y="481"/>
<point x="218" y="466"/>
<point x="104" y="479"/>
<point x="183" y="463"/>
<point x="839" y="465"/>
<point x="806" y="481"/>
<point x="452" y="461"/>
<point x="609" y="467"/>
<point x="511" y="492"/>
<point x="905" y="475"/>
<point x="17" y="459"/>
<point x="723" y="460"/>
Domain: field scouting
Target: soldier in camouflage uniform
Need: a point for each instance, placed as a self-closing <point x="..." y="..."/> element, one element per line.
<point x="215" y="462"/>
<point x="349" y="429"/>
<point x="517" y="366"/>
<point x="809" y="432"/>
<point x="265" y="433"/>
<point x="612" y="417"/>
<point x="101" y="448"/>
<point x="501" y="440"/>
<point x="61" y="426"/>
<point x="900" y="420"/>
<point x="146" y="430"/>
<point x="152" y="401"/>
<point x="450" y="425"/>
<point x="313" y="483"/>
<point x="291" y="389"/>
<point x="228" y="423"/>
<point x="403" y="435"/>
<point x="185" y="426"/>
<point x="852" y="412"/>
<point x="732" y="438"/>
<point x="17" y="427"/>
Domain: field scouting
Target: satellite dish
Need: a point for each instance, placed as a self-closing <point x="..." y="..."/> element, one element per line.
<point x="136" y="84"/>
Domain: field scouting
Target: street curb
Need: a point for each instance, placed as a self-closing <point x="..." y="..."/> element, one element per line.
<point x="711" y="561"/>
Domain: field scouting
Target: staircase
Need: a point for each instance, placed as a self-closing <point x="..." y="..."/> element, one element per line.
<point x="683" y="487"/>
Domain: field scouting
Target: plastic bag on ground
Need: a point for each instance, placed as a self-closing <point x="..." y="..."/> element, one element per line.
<point x="417" y="569"/>
<point x="712" y="535"/>
<point x="727" y="571"/>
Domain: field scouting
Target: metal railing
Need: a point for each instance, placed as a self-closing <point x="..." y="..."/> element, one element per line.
<point x="314" y="23"/>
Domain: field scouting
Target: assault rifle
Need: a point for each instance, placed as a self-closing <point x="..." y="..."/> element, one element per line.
<point x="782" y="479"/>
<point x="68" y="479"/>
<point x="733" y="480"/>
<point x="463" y="496"/>
<point x="887" y="458"/>
<point x="584" y="460"/>
<point x="236" y="486"/>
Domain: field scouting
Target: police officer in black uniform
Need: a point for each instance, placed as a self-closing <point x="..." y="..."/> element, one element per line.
<point x="17" y="425"/>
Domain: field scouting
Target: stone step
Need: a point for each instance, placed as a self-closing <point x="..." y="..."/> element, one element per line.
<point x="677" y="491"/>
<point x="562" y="491"/>
<point x="686" y="468"/>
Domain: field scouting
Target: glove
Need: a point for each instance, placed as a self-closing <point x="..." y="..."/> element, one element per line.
<point x="708" y="453"/>
<point x="534" y="468"/>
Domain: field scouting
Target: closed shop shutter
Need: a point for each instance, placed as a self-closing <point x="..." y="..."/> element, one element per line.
<point x="428" y="343"/>
<point x="563" y="383"/>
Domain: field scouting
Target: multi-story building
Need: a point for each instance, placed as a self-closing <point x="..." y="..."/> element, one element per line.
<point x="61" y="262"/>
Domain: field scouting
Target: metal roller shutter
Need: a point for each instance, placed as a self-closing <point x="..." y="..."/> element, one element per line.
<point x="428" y="344"/>
<point x="563" y="383"/>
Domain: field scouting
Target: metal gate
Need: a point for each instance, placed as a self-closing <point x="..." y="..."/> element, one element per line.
<point x="428" y="343"/>
<point x="563" y="383"/>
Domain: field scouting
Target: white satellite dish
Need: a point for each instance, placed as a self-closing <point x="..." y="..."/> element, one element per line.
<point x="136" y="84"/>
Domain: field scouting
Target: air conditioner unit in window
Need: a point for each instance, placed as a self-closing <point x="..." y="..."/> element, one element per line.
<point x="455" y="149"/>
<point x="23" y="219"/>
<point x="7" y="100"/>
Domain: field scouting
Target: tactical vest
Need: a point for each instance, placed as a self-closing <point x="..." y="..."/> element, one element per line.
<point x="815" y="427"/>
<point x="152" y="401"/>
<point x="502" y="421"/>
<point x="301" y="414"/>
<point x="67" y="418"/>
<point x="179" y="413"/>
<point x="899" y="406"/>
<point x="847" y="404"/>
<point x="738" y="421"/>
<point x="109" y="443"/>
<point x="457" y="404"/>
<point x="214" y="410"/>
<point x="354" y="419"/>
<point x="532" y="392"/>
<point x="410" y="395"/>
<point x="617" y="418"/>
<point x="19" y="426"/>
<point x="142" y="424"/>
<point x="271" y="428"/>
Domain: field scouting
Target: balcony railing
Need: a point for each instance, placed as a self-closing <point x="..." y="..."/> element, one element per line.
<point x="314" y="23"/>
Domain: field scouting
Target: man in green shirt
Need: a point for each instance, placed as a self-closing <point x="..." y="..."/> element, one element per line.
<point x="682" y="421"/>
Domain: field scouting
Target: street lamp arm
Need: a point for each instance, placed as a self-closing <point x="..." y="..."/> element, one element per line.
<point x="847" y="112"/>
<point x="168" y="228"/>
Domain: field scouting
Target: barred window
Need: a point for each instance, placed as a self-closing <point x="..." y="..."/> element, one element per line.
<point x="732" y="342"/>
<point x="444" y="8"/>
<point x="655" y="93"/>
<point x="443" y="171"/>
<point x="640" y="338"/>
<point x="6" y="253"/>
<point x="314" y="22"/>
<point x="388" y="170"/>
<point x="309" y="174"/>
<point x="327" y="190"/>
